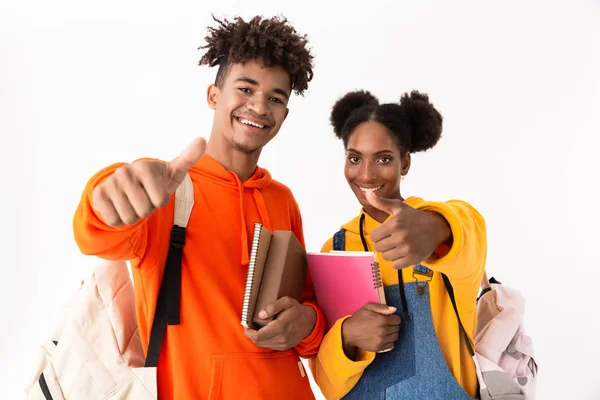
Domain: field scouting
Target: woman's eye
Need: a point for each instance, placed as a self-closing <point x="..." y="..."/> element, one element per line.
<point x="385" y="160"/>
<point x="353" y="159"/>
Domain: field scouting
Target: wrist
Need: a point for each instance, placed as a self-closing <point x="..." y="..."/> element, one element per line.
<point x="350" y="349"/>
<point x="441" y="227"/>
<point x="310" y="318"/>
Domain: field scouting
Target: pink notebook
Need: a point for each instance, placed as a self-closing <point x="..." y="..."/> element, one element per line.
<point x="345" y="281"/>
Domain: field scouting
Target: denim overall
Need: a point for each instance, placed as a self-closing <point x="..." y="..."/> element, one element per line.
<point x="415" y="368"/>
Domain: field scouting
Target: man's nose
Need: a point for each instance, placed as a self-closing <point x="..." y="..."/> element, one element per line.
<point x="257" y="104"/>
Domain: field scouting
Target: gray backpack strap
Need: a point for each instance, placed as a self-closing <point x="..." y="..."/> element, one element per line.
<point x="339" y="240"/>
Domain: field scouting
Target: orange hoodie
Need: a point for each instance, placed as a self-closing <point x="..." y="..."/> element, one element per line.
<point x="207" y="356"/>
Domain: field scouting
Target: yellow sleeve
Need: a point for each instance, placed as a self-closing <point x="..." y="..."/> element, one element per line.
<point x="328" y="246"/>
<point x="334" y="373"/>
<point x="465" y="261"/>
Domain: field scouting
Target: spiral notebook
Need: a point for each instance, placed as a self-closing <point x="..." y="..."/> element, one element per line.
<point x="344" y="281"/>
<point x="277" y="268"/>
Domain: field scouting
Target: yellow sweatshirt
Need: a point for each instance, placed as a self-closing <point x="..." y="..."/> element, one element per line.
<point x="464" y="264"/>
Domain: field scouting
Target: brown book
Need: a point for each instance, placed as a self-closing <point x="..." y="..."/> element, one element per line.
<point x="277" y="268"/>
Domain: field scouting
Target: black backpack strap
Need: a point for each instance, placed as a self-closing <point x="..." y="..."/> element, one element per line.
<point x="450" y="290"/>
<point x="491" y="281"/>
<point x="174" y="260"/>
<point x="169" y="296"/>
<point x="44" y="387"/>
<point x="339" y="240"/>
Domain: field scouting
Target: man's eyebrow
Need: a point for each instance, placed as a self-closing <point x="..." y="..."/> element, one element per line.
<point x="247" y="80"/>
<point x="282" y="92"/>
<point x="255" y="83"/>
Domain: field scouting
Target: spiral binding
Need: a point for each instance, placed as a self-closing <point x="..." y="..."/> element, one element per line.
<point x="377" y="280"/>
<point x="246" y="318"/>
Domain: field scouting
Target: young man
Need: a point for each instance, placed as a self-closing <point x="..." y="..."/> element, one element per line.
<point x="126" y="213"/>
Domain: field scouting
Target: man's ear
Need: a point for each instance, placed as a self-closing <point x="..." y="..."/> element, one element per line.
<point x="212" y="96"/>
<point x="287" y="111"/>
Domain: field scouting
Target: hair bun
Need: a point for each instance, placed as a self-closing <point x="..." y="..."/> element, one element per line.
<point x="425" y="121"/>
<point x="348" y="103"/>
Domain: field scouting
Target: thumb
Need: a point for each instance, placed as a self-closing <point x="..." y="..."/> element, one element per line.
<point x="383" y="309"/>
<point x="179" y="166"/>
<point x="276" y="307"/>
<point x="390" y="206"/>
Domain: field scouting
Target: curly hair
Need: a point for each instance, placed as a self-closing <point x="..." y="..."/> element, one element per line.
<point x="272" y="40"/>
<point x="414" y="123"/>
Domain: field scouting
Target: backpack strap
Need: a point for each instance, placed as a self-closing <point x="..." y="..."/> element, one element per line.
<point x="450" y="291"/>
<point x="339" y="240"/>
<point x="169" y="296"/>
<point x="184" y="202"/>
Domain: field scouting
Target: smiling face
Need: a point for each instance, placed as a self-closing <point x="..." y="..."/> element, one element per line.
<point x="250" y="105"/>
<point x="374" y="163"/>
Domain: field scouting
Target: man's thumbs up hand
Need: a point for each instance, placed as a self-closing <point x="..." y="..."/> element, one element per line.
<point x="135" y="191"/>
<point x="180" y="165"/>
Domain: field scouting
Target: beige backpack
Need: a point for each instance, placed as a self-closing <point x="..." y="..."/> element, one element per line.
<point x="95" y="351"/>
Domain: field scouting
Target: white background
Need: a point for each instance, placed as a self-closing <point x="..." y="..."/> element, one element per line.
<point x="85" y="84"/>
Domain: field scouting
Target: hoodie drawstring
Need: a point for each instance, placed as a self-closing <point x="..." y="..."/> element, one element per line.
<point x="244" y="238"/>
<point x="361" y="231"/>
<point x="262" y="212"/>
<point x="262" y="209"/>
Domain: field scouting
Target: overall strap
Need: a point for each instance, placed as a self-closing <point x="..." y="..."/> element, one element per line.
<point x="169" y="296"/>
<point x="339" y="240"/>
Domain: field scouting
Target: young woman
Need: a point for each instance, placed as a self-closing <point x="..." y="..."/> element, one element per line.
<point x="413" y="347"/>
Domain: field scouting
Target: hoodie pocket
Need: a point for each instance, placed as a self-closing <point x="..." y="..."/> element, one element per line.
<point x="277" y="375"/>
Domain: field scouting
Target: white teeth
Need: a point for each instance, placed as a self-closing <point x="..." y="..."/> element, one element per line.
<point x="370" y="189"/>
<point x="246" y="122"/>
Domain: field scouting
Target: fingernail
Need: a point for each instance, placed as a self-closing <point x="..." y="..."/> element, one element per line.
<point x="392" y="309"/>
<point x="262" y="314"/>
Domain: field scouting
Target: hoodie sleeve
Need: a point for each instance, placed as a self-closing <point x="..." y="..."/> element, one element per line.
<point x="309" y="346"/>
<point x="464" y="261"/>
<point x="94" y="237"/>
<point x="334" y="373"/>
